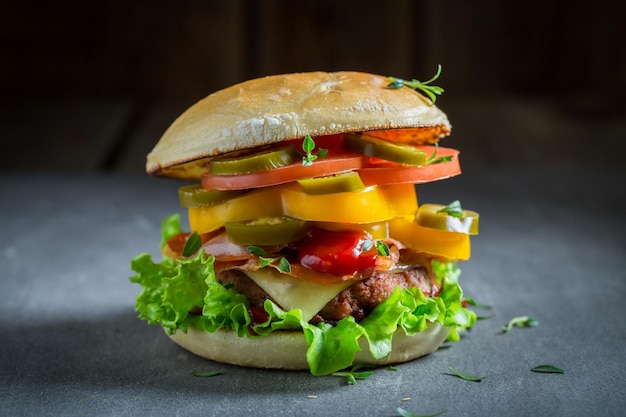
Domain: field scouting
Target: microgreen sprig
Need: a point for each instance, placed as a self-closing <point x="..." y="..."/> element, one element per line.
<point x="470" y="301"/>
<point x="358" y="371"/>
<point x="453" y="209"/>
<point x="432" y="91"/>
<point x="432" y="159"/>
<point x="521" y="321"/>
<point x="406" y="413"/>
<point x="475" y="303"/>
<point x="381" y="247"/>
<point x="283" y="264"/>
<point x="308" y="146"/>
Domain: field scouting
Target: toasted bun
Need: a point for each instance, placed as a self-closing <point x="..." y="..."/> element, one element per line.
<point x="287" y="349"/>
<point x="282" y="107"/>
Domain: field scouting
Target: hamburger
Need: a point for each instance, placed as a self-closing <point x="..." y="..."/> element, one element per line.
<point x="306" y="247"/>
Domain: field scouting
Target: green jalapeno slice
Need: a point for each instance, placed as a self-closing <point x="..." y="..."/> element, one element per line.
<point x="195" y="196"/>
<point x="330" y="184"/>
<point x="265" y="231"/>
<point x="383" y="149"/>
<point x="433" y="216"/>
<point x="240" y="162"/>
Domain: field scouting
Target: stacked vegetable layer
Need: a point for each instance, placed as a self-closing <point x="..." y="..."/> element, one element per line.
<point x="319" y="215"/>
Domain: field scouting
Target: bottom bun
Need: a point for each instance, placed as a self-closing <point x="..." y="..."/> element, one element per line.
<point x="287" y="349"/>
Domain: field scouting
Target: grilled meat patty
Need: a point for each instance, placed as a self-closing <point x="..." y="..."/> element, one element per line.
<point x="357" y="300"/>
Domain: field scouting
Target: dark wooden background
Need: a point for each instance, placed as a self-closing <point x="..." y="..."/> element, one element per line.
<point x="90" y="85"/>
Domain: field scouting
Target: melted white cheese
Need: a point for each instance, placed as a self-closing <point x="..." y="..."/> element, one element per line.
<point x="291" y="293"/>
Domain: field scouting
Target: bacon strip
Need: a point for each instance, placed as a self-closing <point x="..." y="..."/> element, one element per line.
<point x="229" y="255"/>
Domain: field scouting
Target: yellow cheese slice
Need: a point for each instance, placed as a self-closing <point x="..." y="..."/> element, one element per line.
<point x="291" y="293"/>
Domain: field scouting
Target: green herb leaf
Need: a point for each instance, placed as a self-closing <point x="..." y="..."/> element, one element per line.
<point x="356" y="372"/>
<point x="265" y="261"/>
<point x="362" y="366"/>
<point x="392" y="368"/>
<point x="429" y="90"/>
<point x="548" y="369"/>
<point x="395" y="83"/>
<point x="453" y="209"/>
<point x="308" y="160"/>
<point x="441" y="159"/>
<point x="406" y="413"/>
<point x="473" y="302"/>
<point x="284" y="265"/>
<point x="193" y="243"/>
<point x="432" y="159"/>
<point x="308" y="146"/>
<point x="255" y="250"/>
<point x="521" y="321"/>
<point x="382" y="248"/>
<point x="170" y="227"/>
<point x="206" y="373"/>
<point x="463" y="375"/>
<point x="353" y="376"/>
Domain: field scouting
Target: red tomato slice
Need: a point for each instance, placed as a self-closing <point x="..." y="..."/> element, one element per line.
<point x="383" y="172"/>
<point x="373" y="171"/>
<point x="331" y="164"/>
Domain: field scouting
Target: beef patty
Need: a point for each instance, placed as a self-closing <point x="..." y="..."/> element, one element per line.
<point x="357" y="300"/>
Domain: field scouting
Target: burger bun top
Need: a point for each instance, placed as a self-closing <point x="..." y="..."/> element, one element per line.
<point x="282" y="107"/>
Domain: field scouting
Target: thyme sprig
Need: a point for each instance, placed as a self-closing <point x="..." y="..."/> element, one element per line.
<point x="308" y="145"/>
<point x="283" y="263"/>
<point x="432" y="91"/>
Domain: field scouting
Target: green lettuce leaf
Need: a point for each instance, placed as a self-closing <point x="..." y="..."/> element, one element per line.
<point x="183" y="293"/>
<point x="382" y="323"/>
<point x="171" y="290"/>
<point x="332" y="348"/>
<point x="170" y="227"/>
<point x="456" y="316"/>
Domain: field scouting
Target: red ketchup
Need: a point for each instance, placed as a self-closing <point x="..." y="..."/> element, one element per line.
<point x="337" y="253"/>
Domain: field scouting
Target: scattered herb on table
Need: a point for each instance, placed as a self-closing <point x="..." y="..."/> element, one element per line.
<point x="548" y="369"/>
<point x="465" y="376"/>
<point x="206" y="373"/>
<point x="474" y="303"/>
<point x="521" y="321"/>
<point x="406" y="413"/>
<point x="358" y="371"/>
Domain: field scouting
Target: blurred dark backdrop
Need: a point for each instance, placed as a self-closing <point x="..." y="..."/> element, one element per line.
<point x="91" y="85"/>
